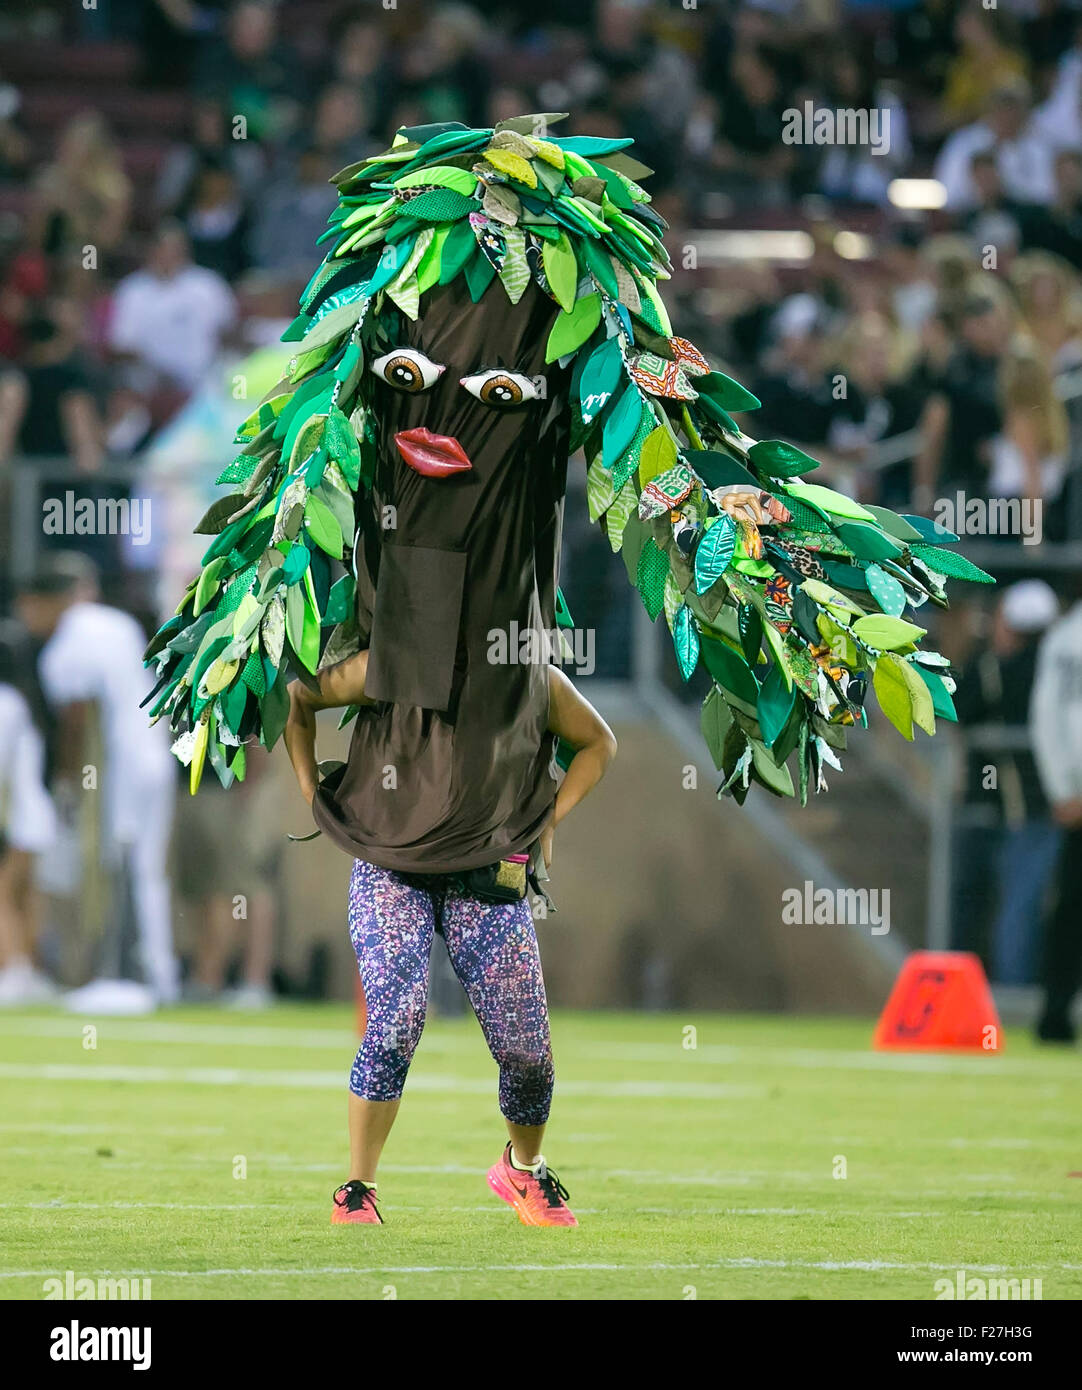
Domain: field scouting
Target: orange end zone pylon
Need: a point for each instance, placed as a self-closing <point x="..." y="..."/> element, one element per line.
<point x="940" y="1002"/>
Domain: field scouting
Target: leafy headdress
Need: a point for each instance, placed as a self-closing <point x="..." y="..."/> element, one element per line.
<point x="790" y="619"/>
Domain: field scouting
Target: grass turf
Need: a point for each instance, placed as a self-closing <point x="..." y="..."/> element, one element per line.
<point x="200" y="1148"/>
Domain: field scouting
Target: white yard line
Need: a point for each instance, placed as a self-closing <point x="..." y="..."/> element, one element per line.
<point x="335" y="1080"/>
<point x="721" y="1054"/>
<point x="865" y="1266"/>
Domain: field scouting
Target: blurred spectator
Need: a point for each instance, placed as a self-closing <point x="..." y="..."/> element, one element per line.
<point x="1024" y="153"/>
<point x="216" y="221"/>
<point x="913" y="296"/>
<point x="965" y="412"/>
<point x="1058" y="228"/>
<point x="1028" y="458"/>
<point x="986" y="59"/>
<point x="27" y="829"/>
<point x="55" y="409"/>
<point x="1006" y="850"/>
<point x="1061" y="114"/>
<point x="14" y="146"/>
<point x="339" y="126"/>
<point x="748" y="150"/>
<point x="292" y="215"/>
<point x="91" y="668"/>
<point x="84" y="197"/>
<point x="1051" y="308"/>
<point x="211" y="142"/>
<point x="252" y="73"/>
<point x="1056" y="727"/>
<point x="440" y="69"/>
<point x="227" y="866"/>
<point x="853" y="173"/>
<point x="170" y="318"/>
<point x="874" y="359"/>
<point x="995" y="221"/>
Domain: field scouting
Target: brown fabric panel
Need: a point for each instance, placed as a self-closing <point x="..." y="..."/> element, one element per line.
<point x="415" y="627"/>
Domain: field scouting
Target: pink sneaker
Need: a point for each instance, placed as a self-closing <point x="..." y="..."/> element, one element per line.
<point x="539" y="1201"/>
<point x="355" y="1204"/>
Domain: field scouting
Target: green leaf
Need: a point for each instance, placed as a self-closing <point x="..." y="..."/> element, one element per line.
<point x="457" y="250"/>
<point x="867" y="541"/>
<point x="779" y="459"/>
<point x="884" y="633"/>
<point x="601" y="375"/>
<point x="714" y="552"/>
<point x="621" y="424"/>
<point x="574" y="328"/>
<point x="658" y="454"/>
<point x="775" y="704"/>
<point x="827" y="500"/>
<point x="340" y="601"/>
<point x="892" y="692"/>
<point x="950" y="563"/>
<point x="942" y="703"/>
<point x="480" y="273"/>
<point x="904" y="696"/>
<point x="886" y="591"/>
<point x="715" y="722"/>
<point x="322" y="527"/>
<point x="561" y="270"/>
<point x="686" y="641"/>
<point x="295" y="563"/>
<point x="732" y="673"/>
<point x="726" y="392"/>
<point x="767" y="772"/>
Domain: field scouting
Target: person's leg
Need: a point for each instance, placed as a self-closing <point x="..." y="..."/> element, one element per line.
<point x="214" y="942"/>
<point x="15" y="946"/>
<point x="1061" y="970"/>
<point x="148" y="858"/>
<point x="391" y="925"/>
<point x="1027" y="859"/>
<point x="259" y="942"/>
<point x="493" y="949"/>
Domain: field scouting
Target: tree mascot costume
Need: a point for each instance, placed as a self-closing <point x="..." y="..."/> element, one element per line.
<point x="488" y="306"/>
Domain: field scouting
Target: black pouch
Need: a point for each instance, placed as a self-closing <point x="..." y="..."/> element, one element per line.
<point x="504" y="882"/>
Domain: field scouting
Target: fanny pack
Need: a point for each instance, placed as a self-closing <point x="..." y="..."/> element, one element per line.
<point x="502" y="882"/>
<point x="508" y="880"/>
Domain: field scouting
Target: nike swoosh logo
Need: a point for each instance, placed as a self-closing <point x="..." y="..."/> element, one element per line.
<point x="520" y="1190"/>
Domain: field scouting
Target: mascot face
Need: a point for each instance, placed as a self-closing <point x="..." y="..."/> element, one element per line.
<point x="463" y="399"/>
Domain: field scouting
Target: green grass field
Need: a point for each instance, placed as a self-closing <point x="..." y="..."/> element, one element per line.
<point x="706" y="1172"/>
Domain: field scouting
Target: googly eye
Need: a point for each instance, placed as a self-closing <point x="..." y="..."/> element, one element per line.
<point x="501" y="389"/>
<point x="406" y="369"/>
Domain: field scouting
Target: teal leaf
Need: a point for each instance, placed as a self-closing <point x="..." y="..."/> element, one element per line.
<point x="714" y="552"/>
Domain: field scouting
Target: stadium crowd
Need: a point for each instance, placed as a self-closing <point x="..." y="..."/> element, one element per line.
<point x="164" y="170"/>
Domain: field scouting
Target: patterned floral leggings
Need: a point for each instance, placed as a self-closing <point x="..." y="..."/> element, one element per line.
<point x="493" y="949"/>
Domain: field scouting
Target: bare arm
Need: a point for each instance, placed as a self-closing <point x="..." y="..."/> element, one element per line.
<point x="573" y="718"/>
<point x="933" y="432"/>
<point x="339" y="686"/>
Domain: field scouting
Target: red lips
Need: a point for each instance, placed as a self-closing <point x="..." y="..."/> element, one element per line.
<point x="432" y="455"/>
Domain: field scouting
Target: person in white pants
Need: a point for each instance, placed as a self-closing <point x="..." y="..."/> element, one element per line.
<point x="27" y="829"/>
<point x="92" y="656"/>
